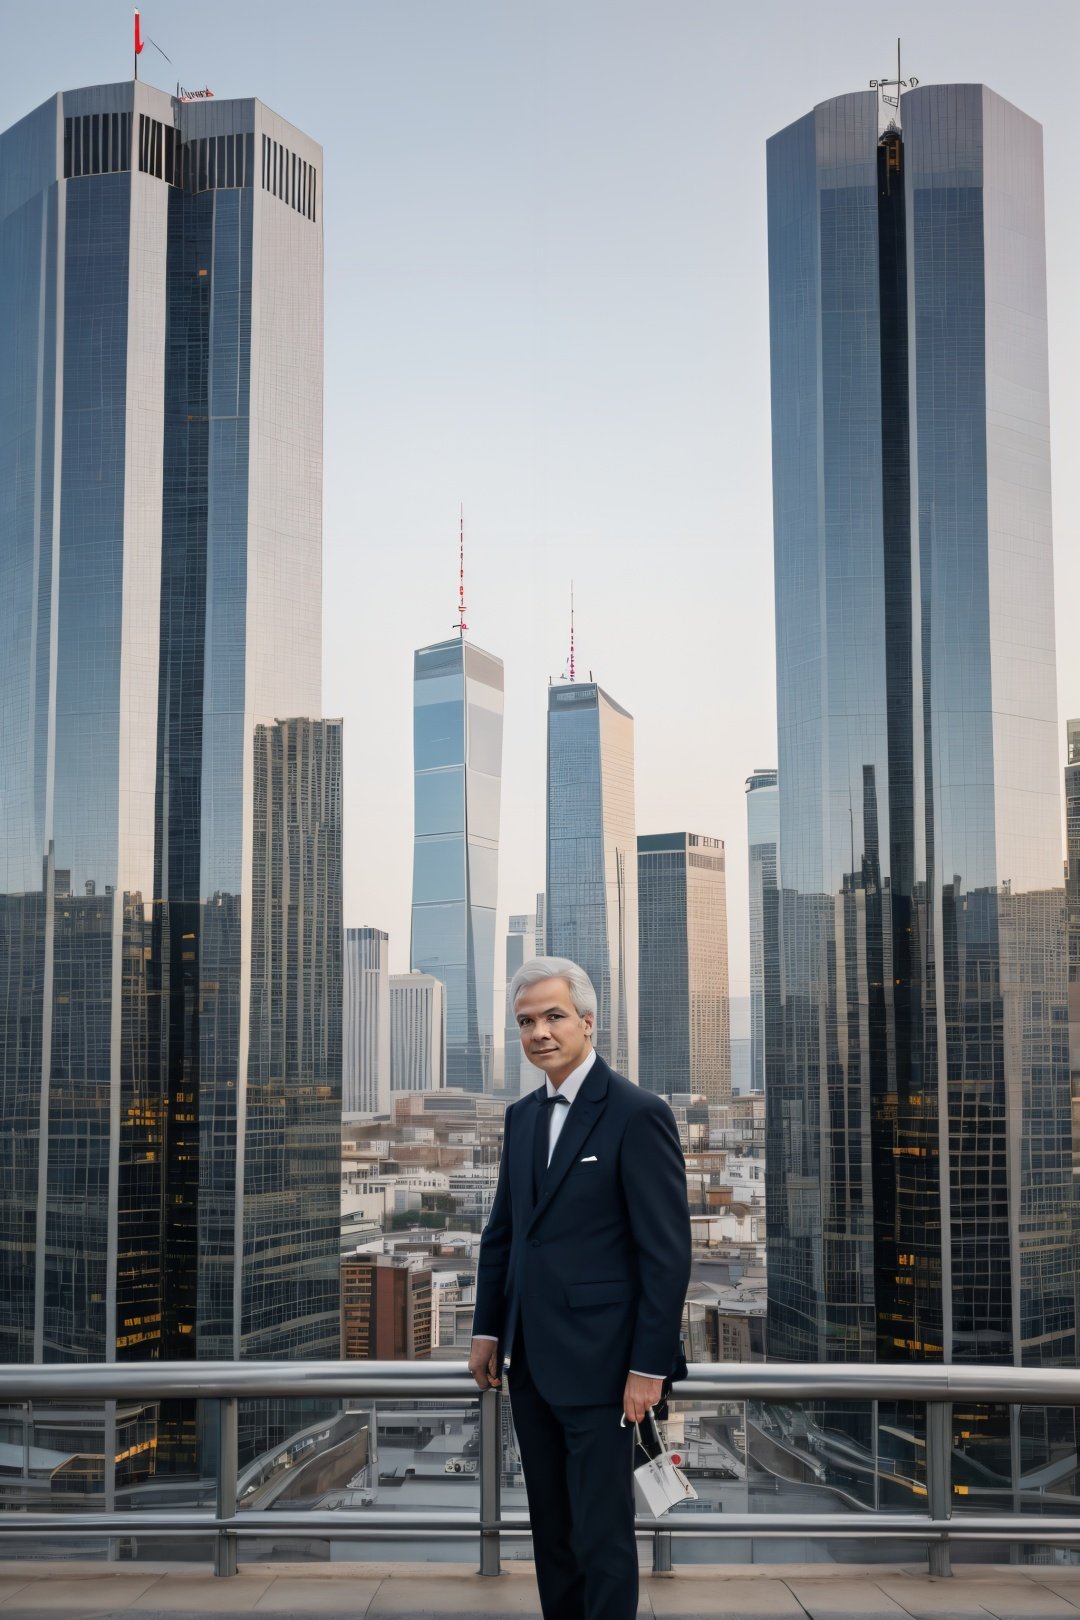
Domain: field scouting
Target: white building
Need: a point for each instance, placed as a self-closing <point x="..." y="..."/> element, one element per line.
<point x="365" y="1034"/>
<point x="417" y="1032"/>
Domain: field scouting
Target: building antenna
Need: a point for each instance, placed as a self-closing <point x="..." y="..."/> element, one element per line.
<point x="572" y="665"/>
<point x="883" y="86"/>
<point x="461" y="626"/>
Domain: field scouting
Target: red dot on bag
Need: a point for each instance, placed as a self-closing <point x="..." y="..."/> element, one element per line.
<point x="676" y="1459"/>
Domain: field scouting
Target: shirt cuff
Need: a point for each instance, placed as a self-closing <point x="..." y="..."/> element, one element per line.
<point x="492" y="1336"/>
<point x="658" y="1376"/>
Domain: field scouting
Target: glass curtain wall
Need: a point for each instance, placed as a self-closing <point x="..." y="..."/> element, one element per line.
<point x="457" y="754"/>
<point x="591" y="907"/>
<point x="919" y="1135"/>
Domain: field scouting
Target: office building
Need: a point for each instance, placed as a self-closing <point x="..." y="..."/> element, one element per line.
<point x="591" y="892"/>
<point x="763" y="835"/>
<point x="521" y="945"/>
<point x="684" y="1028"/>
<point x="919" y="1140"/>
<point x="365" y="1080"/>
<point x="160" y="558"/>
<point x="385" y="1309"/>
<point x="417" y="1033"/>
<point x="457" y="755"/>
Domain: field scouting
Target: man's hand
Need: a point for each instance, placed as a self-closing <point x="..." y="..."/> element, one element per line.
<point x="485" y="1364"/>
<point x="639" y="1395"/>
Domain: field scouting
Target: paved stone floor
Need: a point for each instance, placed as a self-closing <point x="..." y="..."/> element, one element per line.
<point x="96" y="1591"/>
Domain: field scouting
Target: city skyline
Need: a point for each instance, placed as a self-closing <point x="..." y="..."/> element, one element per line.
<point x="592" y="383"/>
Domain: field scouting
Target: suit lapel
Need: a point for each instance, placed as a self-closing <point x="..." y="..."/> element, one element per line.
<point x="532" y="1125"/>
<point x="588" y="1105"/>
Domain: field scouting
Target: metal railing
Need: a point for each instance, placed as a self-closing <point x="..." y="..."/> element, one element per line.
<point x="227" y="1382"/>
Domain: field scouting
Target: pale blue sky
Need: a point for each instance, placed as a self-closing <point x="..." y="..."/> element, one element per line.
<point x="546" y="297"/>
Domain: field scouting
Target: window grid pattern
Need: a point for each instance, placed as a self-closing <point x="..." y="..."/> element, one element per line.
<point x="97" y="143"/>
<point x="288" y="177"/>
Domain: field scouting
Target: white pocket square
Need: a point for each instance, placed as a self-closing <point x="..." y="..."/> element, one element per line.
<point x="592" y="1159"/>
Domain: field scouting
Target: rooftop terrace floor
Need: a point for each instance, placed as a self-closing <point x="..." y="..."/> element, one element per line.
<point x="97" y="1591"/>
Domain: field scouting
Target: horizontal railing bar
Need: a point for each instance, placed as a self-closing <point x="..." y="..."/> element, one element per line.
<point x="425" y="1380"/>
<point x="321" y="1523"/>
<point x="726" y="1525"/>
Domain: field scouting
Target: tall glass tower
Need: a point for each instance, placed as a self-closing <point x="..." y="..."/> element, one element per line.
<point x="763" y="835"/>
<point x="684" y="1018"/>
<point x="160" y="565"/>
<point x="457" y="757"/>
<point x="591" y="907"/>
<point x="919" y="1139"/>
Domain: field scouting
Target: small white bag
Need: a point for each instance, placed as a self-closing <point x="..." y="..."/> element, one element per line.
<point x="660" y="1481"/>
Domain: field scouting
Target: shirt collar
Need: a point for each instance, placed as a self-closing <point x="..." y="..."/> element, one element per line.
<point x="572" y="1084"/>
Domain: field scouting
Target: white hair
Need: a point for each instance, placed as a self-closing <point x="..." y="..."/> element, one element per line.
<point x="582" y="993"/>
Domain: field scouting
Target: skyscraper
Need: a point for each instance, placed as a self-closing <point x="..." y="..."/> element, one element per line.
<point x="521" y="945"/>
<point x="763" y="833"/>
<point x="591" y="893"/>
<point x="684" y="1025"/>
<point x="457" y="754"/>
<point x="417" y="1033"/>
<point x="160" y="558"/>
<point x="919" y="1143"/>
<point x="365" y="1079"/>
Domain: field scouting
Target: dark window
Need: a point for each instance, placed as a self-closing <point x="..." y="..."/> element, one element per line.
<point x="249" y="160"/>
<point x="202" y="166"/>
<point x="313" y="190"/>
<point x="117" y="152"/>
<point x="230" y="161"/>
<point x="211" y="170"/>
<point x="221" y="160"/>
<point x="169" y="138"/>
<point x="67" y="148"/>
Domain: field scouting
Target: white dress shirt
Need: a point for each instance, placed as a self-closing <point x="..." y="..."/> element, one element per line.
<point x="569" y="1089"/>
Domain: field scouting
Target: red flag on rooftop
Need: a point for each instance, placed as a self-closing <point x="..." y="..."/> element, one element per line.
<point x="138" y="34"/>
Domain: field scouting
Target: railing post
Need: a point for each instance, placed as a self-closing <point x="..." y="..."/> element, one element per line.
<point x="225" y="1550"/>
<point x="661" y="1552"/>
<point x="490" y="1479"/>
<point x="939" y="1480"/>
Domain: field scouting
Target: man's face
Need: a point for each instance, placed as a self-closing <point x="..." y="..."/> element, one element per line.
<point x="555" y="1036"/>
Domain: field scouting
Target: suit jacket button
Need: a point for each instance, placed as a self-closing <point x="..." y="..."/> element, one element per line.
<point x="536" y="1243"/>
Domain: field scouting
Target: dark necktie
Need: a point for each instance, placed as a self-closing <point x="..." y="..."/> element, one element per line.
<point x="542" y="1138"/>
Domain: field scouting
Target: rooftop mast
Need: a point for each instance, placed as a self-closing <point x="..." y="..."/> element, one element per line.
<point x="572" y="672"/>
<point x="461" y="626"/>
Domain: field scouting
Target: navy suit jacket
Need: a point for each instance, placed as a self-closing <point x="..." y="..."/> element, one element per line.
<point x="593" y="1271"/>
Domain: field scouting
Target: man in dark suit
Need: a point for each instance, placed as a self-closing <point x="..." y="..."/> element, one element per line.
<point x="582" y="1276"/>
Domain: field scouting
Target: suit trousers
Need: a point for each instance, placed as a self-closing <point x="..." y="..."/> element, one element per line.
<point x="578" y="1476"/>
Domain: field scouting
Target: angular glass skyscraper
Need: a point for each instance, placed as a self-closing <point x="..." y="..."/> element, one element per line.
<point x="457" y="757"/>
<point x="763" y="836"/>
<point x="684" y="1017"/>
<point x="591" y="909"/>
<point x="160" y="566"/>
<point x="919" y="1141"/>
